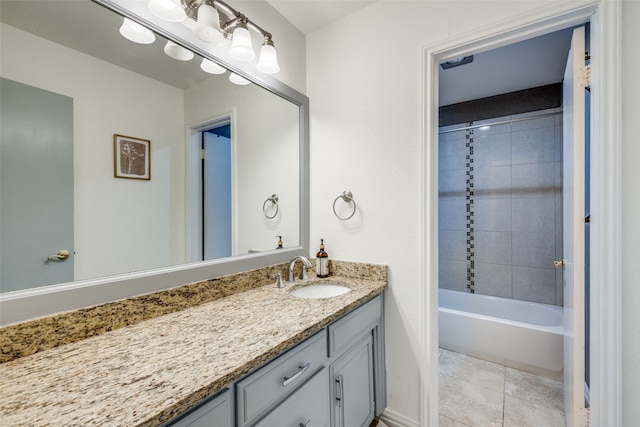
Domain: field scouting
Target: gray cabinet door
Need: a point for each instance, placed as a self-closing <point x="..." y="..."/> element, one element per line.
<point x="214" y="413"/>
<point x="353" y="386"/>
<point x="307" y="407"/>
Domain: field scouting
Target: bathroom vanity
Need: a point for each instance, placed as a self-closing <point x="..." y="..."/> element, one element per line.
<point x="258" y="357"/>
<point x="329" y="379"/>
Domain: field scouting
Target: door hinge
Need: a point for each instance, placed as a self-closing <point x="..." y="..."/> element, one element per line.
<point x="558" y="264"/>
<point x="203" y="154"/>
<point x="584" y="77"/>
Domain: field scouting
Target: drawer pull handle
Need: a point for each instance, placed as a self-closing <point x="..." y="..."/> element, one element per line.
<point x="340" y="395"/>
<point x="307" y="424"/>
<point x="301" y="370"/>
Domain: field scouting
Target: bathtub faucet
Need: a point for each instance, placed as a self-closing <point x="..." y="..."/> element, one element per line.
<point x="305" y="264"/>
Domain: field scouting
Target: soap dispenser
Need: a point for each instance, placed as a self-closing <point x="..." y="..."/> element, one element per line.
<point x="322" y="261"/>
<point x="279" y="242"/>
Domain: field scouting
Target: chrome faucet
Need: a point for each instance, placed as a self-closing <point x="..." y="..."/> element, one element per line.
<point x="305" y="264"/>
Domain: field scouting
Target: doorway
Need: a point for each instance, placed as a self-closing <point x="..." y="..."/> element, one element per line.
<point x="500" y="231"/>
<point x="605" y="378"/>
<point x="211" y="189"/>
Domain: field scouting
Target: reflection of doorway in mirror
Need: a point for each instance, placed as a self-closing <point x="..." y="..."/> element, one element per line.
<point x="216" y="191"/>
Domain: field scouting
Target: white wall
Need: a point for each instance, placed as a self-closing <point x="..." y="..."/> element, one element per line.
<point x="364" y="84"/>
<point x="631" y="207"/>
<point x="110" y="237"/>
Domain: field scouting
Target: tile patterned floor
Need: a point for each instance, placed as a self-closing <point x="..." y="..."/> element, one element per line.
<point x="474" y="392"/>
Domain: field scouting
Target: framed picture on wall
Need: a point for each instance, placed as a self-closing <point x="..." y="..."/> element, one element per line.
<point x="132" y="157"/>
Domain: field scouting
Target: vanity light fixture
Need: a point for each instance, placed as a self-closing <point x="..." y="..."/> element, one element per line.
<point x="238" y="79"/>
<point x="216" y="22"/>
<point x="177" y="52"/>
<point x="169" y="10"/>
<point x="268" y="60"/>
<point x="136" y="32"/>
<point x="211" y="67"/>
<point x="208" y="24"/>
<point x="241" y="46"/>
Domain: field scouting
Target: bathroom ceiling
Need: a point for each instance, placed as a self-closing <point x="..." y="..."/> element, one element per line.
<point x="530" y="63"/>
<point x="311" y="15"/>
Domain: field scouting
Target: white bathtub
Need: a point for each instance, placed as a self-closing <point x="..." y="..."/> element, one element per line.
<point x="520" y="334"/>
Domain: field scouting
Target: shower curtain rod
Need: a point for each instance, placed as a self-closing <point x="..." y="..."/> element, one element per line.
<point x="501" y="122"/>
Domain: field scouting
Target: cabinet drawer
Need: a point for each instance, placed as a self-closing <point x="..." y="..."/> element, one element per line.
<point x="215" y="412"/>
<point x="261" y="390"/>
<point x="309" y="406"/>
<point x="345" y="331"/>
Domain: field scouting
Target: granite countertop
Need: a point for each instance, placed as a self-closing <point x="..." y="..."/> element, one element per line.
<point x="147" y="373"/>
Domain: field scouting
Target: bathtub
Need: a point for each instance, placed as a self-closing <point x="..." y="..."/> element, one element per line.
<point x="519" y="334"/>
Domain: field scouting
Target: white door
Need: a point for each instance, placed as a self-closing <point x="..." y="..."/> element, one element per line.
<point x="573" y="229"/>
<point x="36" y="219"/>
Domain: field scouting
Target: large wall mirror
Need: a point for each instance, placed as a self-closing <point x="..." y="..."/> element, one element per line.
<point x="220" y="172"/>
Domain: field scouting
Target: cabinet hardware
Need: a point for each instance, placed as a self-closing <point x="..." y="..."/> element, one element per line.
<point x="307" y="424"/>
<point x="301" y="370"/>
<point x="340" y="391"/>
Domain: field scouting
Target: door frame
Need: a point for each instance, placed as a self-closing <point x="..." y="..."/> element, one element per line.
<point x="606" y="200"/>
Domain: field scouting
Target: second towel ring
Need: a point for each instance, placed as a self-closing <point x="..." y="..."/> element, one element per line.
<point x="347" y="196"/>
<point x="273" y="199"/>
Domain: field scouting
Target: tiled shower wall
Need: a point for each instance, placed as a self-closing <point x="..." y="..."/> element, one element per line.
<point x="500" y="208"/>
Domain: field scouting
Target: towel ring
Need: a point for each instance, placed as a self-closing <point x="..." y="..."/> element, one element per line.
<point x="347" y="196"/>
<point x="274" y="200"/>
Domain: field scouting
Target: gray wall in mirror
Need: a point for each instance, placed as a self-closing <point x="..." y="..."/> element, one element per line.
<point x="134" y="236"/>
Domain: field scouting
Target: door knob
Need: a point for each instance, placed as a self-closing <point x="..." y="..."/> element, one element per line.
<point x="558" y="264"/>
<point x="60" y="256"/>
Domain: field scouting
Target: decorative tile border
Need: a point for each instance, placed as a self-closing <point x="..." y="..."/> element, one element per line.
<point x="471" y="285"/>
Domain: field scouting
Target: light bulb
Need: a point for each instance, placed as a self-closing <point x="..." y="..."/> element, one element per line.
<point x="177" y="52"/>
<point x="211" y="67"/>
<point x="238" y="80"/>
<point x="169" y="10"/>
<point x="268" y="61"/>
<point x="241" y="47"/>
<point x="136" y="32"/>
<point x="208" y="25"/>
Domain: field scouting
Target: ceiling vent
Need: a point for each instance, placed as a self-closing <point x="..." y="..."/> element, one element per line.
<point x="457" y="62"/>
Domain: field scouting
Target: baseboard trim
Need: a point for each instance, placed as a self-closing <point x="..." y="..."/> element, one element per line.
<point x="394" y="419"/>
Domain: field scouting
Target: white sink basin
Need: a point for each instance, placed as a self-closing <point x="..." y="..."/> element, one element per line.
<point x="319" y="291"/>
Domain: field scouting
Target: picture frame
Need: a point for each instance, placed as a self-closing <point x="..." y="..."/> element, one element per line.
<point x="132" y="157"/>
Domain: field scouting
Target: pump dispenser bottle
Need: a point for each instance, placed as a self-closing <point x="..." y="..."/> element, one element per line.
<point x="279" y="242"/>
<point x="322" y="261"/>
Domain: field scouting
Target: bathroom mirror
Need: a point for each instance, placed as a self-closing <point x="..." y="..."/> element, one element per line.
<point x="147" y="234"/>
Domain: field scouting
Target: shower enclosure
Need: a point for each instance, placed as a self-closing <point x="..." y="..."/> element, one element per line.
<point x="500" y="206"/>
<point x="500" y="230"/>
